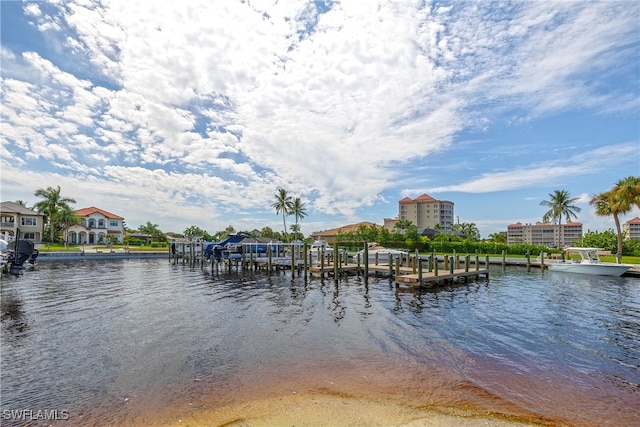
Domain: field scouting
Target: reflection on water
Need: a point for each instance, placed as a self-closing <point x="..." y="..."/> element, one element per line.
<point x="114" y="342"/>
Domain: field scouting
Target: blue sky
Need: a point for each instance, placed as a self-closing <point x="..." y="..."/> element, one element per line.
<point x="196" y="112"/>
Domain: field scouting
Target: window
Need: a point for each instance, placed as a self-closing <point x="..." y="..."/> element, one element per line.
<point x="114" y="223"/>
<point x="101" y="223"/>
<point x="92" y="223"/>
<point x="29" y="220"/>
<point x="29" y="236"/>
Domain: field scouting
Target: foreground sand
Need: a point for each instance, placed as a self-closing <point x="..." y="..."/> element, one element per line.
<point x="330" y="410"/>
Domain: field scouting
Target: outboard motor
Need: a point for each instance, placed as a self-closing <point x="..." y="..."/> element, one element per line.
<point x="217" y="253"/>
<point x="34" y="255"/>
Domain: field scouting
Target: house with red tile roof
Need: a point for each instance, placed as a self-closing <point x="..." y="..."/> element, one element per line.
<point x="97" y="226"/>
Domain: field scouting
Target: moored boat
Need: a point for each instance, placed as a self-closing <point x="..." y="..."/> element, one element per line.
<point x="589" y="263"/>
<point x="382" y="254"/>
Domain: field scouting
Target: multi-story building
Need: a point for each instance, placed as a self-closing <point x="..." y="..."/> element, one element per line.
<point x="544" y="234"/>
<point x="427" y="212"/>
<point x="632" y="228"/>
<point x="96" y="225"/>
<point x="14" y="217"/>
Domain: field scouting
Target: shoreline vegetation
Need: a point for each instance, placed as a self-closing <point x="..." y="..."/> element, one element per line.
<point x="44" y="249"/>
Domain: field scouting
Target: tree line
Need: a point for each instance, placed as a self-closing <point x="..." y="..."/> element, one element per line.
<point x="618" y="201"/>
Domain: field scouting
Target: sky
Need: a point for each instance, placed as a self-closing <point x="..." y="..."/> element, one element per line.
<point x="197" y="112"/>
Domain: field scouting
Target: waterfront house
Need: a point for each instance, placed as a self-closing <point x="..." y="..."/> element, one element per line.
<point x="14" y="217"/>
<point x="330" y="236"/>
<point x="97" y="226"/>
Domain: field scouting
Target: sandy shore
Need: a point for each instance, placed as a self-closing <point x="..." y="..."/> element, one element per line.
<point x="330" y="410"/>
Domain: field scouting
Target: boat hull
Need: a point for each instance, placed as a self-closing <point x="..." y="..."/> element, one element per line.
<point x="592" y="269"/>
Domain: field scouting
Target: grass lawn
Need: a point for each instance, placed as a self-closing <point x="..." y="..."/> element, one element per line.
<point x="57" y="247"/>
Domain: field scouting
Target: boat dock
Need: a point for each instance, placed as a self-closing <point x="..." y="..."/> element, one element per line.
<point x="412" y="270"/>
<point x="408" y="270"/>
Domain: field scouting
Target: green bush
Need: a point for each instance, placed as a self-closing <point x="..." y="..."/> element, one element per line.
<point x="136" y="242"/>
<point x="158" y="244"/>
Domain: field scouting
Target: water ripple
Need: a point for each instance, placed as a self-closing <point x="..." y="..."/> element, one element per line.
<point x="112" y="341"/>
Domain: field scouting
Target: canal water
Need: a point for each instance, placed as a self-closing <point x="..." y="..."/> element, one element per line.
<point x="144" y="341"/>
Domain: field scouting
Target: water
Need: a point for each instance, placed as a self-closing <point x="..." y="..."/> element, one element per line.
<point x="133" y="341"/>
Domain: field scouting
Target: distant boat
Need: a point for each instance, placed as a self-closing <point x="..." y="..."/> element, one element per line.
<point x="320" y="249"/>
<point x="382" y="253"/>
<point x="589" y="263"/>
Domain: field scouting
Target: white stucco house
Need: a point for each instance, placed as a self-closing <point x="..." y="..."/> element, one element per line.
<point x="96" y="225"/>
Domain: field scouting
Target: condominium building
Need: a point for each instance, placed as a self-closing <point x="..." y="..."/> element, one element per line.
<point x="632" y="228"/>
<point x="427" y="212"/>
<point x="544" y="234"/>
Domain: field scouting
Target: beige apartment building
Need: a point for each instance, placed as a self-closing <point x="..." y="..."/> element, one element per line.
<point x="426" y="212"/>
<point x="632" y="228"/>
<point x="544" y="234"/>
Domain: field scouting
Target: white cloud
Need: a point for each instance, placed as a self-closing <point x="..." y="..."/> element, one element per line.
<point x="546" y="173"/>
<point x="224" y="103"/>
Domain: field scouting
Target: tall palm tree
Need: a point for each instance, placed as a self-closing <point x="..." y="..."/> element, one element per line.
<point x="607" y="205"/>
<point x="560" y="204"/>
<point x="283" y="205"/>
<point x="628" y="190"/>
<point x="299" y="211"/>
<point x="618" y="201"/>
<point x="51" y="204"/>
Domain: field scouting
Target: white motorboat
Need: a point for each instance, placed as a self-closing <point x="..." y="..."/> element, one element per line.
<point x="589" y="263"/>
<point x="375" y="250"/>
<point x="320" y="249"/>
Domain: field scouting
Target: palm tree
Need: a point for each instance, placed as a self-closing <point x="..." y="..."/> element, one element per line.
<point x="154" y="231"/>
<point x="560" y="204"/>
<point x="21" y="203"/>
<point x="498" y="237"/>
<point x="67" y="217"/>
<point x="402" y="224"/>
<point x="628" y="190"/>
<point x="299" y="210"/>
<point x="618" y="201"/>
<point x="53" y="202"/>
<point x="283" y="205"/>
<point x="295" y="229"/>
<point x="469" y="229"/>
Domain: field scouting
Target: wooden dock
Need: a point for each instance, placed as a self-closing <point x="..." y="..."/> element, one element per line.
<point x="410" y="270"/>
<point x="407" y="276"/>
